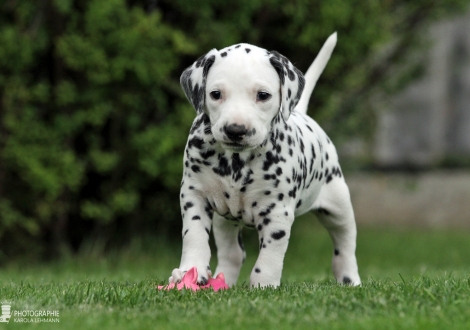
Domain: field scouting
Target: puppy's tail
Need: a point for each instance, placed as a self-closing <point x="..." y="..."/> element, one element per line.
<point x="314" y="72"/>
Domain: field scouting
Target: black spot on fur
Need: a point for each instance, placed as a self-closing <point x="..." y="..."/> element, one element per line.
<point x="224" y="167"/>
<point x="196" y="217"/>
<point x="247" y="50"/>
<point x="207" y="154"/>
<point x="197" y="123"/>
<point x="237" y="166"/>
<point x="346" y="280"/>
<point x="223" y="54"/>
<point x="278" y="66"/>
<point x="278" y="234"/>
<point x="208" y="209"/>
<point x="291" y="74"/>
<point x="293" y="192"/>
<point x="257" y="270"/>
<point x="200" y="61"/>
<point x="336" y="252"/>
<point x="267" y="210"/>
<point x="270" y="160"/>
<point x="196" y="168"/>
<point x="328" y="178"/>
<point x="195" y="142"/>
<point x="188" y="205"/>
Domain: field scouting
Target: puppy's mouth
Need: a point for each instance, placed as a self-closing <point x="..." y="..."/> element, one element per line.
<point x="235" y="146"/>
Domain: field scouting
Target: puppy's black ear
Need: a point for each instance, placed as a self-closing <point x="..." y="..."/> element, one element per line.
<point x="292" y="82"/>
<point x="193" y="80"/>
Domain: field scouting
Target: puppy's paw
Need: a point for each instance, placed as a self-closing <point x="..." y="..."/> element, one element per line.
<point x="176" y="276"/>
<point x="203" y="275"/>
<point x="354" y="280"/>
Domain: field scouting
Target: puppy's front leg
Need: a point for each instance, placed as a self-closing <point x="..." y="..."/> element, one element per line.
<point x="274" y="233"/>
<point x="197" y="220"/>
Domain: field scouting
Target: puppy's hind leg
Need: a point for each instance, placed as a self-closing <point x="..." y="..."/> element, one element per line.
<point x="230" y="251"/>
<point x="335" y="212"/>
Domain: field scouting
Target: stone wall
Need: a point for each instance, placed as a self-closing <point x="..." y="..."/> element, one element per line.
<point x="419" y="128"/>
<point x="430" y="120"/>
<point x="430" y="199"/>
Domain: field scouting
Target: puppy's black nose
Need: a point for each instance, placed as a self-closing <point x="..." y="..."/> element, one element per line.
<point x="235" y="132"/>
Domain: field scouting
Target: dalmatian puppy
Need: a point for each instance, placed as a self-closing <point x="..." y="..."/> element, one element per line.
<point x="255" y="159"/>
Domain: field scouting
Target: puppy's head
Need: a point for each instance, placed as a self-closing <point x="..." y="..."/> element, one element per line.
<point x="242" y="88"/>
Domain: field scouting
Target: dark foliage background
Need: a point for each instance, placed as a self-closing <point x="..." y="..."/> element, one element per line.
<point x="93" y="122"/>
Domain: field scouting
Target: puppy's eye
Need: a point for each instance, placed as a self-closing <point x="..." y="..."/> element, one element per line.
<point x="216" y="95"/>
<point x="263" y="96"/>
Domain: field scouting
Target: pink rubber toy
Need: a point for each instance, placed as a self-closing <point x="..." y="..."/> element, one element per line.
<point x="189" y="281"/>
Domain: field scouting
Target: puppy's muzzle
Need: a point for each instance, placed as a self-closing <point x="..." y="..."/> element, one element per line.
<point x="235" y="132"/>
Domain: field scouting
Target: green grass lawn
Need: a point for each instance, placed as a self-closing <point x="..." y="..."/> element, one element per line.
<point x="411" y="280"/>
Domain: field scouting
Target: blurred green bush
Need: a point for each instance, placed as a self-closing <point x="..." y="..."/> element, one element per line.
<point x="93" y="122"/>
